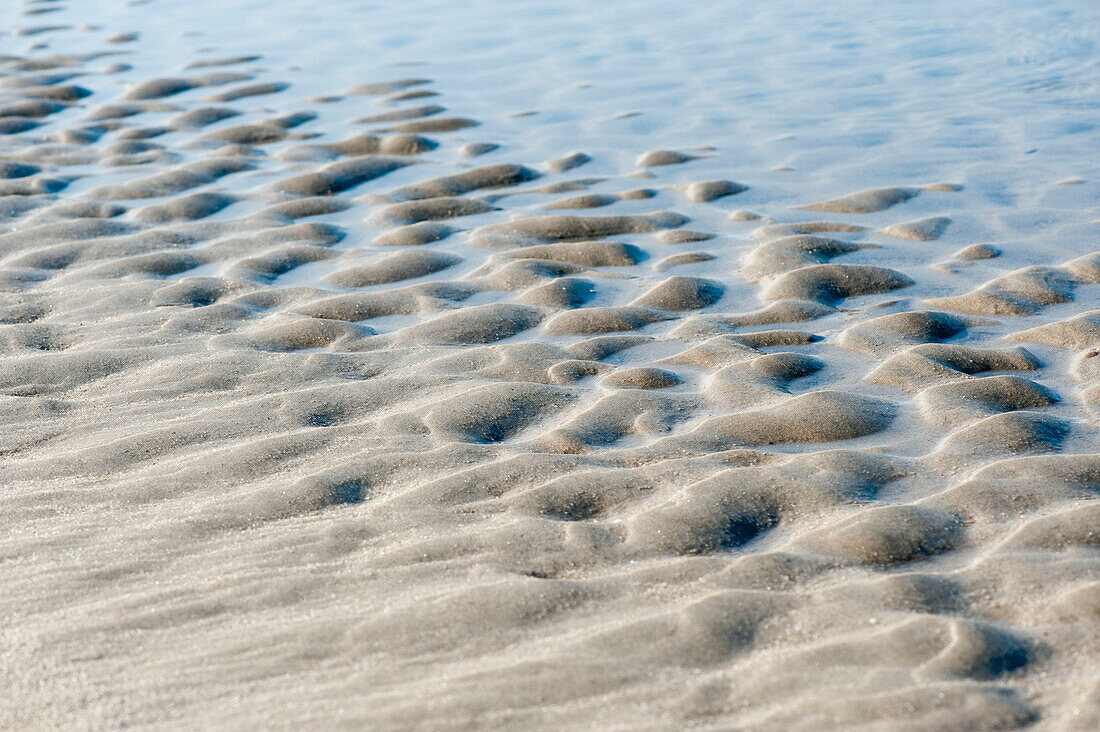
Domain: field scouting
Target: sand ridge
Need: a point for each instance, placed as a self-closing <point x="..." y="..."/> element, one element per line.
<point x="401" y="427"/>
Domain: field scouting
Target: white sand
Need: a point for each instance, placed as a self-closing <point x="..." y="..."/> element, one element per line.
<point x="538" y="365"/>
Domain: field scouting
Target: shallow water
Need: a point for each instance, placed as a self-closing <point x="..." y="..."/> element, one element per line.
<point x="271" y="468"/>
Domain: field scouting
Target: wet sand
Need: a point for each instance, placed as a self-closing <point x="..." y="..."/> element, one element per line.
<point x="472" y="394"/>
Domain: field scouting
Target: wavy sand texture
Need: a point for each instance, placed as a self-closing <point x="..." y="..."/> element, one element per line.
<point x="499" y="393"/>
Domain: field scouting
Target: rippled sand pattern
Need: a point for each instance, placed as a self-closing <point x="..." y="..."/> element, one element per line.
<point x="407" y="427"/>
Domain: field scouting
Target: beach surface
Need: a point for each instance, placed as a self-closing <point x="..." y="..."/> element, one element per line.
<point x="549" y="365"/>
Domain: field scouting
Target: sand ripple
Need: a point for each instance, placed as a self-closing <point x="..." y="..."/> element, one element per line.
<point x="340" y="426"/>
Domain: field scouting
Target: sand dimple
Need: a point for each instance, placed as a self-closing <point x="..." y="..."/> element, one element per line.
<point x="469" y="433"/>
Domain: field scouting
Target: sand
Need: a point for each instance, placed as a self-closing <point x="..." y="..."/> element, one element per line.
<point x="542" y="366"/>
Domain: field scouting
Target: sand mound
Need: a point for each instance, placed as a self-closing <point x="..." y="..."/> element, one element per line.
<point x="862" y="202"/>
